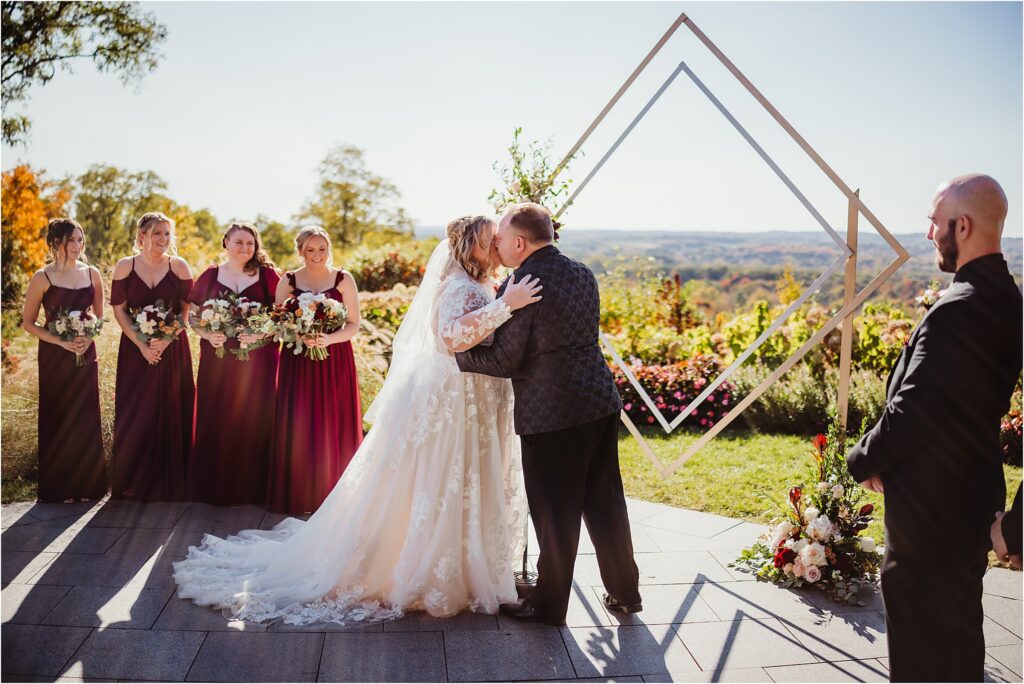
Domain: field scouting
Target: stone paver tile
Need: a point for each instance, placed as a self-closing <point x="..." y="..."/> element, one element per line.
<point x="425" y="622"/>
<point x="37" y="649"/>
<point x="643" y="510"/>
<point x="841" y="671"/>
<point x="742" y="643"/>
<point x="65" y="680"/>
<point x="28" y="604"/>
<point x="139" y="515"/>
<point x="14" y="514"/>
<point x="627" y="650"/>
<point x="848" y="636"/>
<point x="725" y="558"/>
<point x="680" y="567"/>
<point x="735" y="600"/>
<point x="884" y="662"/>
<point x="183" y="614"/>
<point x="1008" y="613"/>
<point x="90" y="570"/>
<point x="257" y="657"/>
<point x="21" y="566"/>
<point x="996" y="635"/>
<point x="667" y="540"/>
<point x="67" y="514"/>
<point x="135" y="654"/>
<point x="642" y="541"/>
<point x="698" y="524"/>
<point x="1003" y="582"/>
<point x="741" y="536"/>
<point x="13" y="537"/>
<point x="1010" y="656"/>
<point x="499" y="655"/>
<point x="168" y="541"/>
<point x="202" y="517"/>
<point x="665" y="604"/>
<point x="77" y="539"/>
<point x="271" y="519"/>
<point x="281" y="626"/>
<point x="584" y="610"/>
<point x="132" y="607"/>
<point x="745" y="674"/>
<point x="387" y="657"/>
<point x="995" y="671"/>
<point x="871" y="598"/>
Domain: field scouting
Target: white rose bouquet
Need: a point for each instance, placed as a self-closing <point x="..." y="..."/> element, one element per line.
<point x="817" y="542"/>
<point x="68" y="325"/>
<point x="306" y="316"/>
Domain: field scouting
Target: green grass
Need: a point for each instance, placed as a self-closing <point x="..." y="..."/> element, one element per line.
<point x="740" y="475"/>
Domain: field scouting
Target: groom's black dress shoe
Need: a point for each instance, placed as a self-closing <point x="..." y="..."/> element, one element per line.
<point x="616" y="607"/>
<point x="524" y="612"/>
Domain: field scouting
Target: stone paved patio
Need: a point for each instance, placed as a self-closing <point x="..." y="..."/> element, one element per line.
<point x="87" y="596"/>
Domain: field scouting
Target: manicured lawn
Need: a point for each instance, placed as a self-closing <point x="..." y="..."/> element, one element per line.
<point x="741" y="475"/>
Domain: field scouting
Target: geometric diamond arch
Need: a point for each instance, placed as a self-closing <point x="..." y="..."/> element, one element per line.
<point x="846" y="252"/>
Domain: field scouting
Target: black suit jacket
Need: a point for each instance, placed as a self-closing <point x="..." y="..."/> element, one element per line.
<point x="550" y="349"/>
<point x="936" y="445"/>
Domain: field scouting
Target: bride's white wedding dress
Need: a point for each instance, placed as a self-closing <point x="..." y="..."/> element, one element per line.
<point x="430" y="512"/>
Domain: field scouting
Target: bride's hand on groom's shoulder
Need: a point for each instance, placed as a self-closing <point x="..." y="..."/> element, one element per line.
<point x="523" y="293"/>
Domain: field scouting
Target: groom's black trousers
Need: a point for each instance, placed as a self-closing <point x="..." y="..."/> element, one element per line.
<point x="572" y="474"/>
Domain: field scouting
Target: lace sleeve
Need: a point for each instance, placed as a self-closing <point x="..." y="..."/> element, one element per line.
<point x="466" y="318"/>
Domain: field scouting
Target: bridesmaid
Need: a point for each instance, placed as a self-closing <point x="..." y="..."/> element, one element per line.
<point x="154" y="403"/>
<point x="319" y="423"/>
<point x="71" y="464"/>
<point x="235" y="399"/>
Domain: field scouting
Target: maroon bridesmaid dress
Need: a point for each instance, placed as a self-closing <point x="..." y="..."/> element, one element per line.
<point x="71" y="464"/>
<point x="234" y="408"/>
<point x="154" y="405"/>
<point x="318" y="426"/>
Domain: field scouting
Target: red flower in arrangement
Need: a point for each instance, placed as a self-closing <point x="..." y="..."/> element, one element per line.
<point x="866" y="509"/>
<point x="820" y="442"/>
<point x="783" y="556"/>
<point x="794" y="495"/>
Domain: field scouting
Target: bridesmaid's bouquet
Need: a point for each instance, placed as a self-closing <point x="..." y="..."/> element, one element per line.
<point x="71" y="324"/>
<point x="155" y="322"/>
<point x="216" y="315"/>
<point x="253" y="318"/>
<point x="306" y="316"/>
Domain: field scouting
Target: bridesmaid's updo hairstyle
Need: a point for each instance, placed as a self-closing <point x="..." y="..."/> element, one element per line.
<point x="465" y="233"/>
<point x="533" y="222"/>
<point x="259" y="257"/>
<point x="308" y="232"/>
<point x="58" y="230"/>
<point x="146" y="223"/>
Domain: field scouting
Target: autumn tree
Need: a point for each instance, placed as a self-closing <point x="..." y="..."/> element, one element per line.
<point x="278" y="241"/>
<point x="352" y="201"/>
<point x="40" y="37"/>
<point x="29" y="201"/>
<point x="108" y="201"/>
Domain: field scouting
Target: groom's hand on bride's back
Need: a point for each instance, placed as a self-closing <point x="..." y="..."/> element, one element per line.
<point x="523" y="293"/>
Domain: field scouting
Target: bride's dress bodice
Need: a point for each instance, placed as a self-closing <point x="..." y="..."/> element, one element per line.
<point x="429" y="514"/>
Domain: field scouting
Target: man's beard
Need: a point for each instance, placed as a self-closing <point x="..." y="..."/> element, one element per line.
<point x="947" y="251"/>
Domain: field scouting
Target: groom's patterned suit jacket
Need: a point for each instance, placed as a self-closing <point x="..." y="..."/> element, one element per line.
<point x="550" y="349"/>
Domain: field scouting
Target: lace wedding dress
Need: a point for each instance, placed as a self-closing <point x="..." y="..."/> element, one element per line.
<point x="429" y="514"/>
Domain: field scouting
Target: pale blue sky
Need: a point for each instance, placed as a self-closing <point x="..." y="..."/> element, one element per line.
<point x="895" y="96"/>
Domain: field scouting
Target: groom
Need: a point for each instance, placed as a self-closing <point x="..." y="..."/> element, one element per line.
<point x="567" y="416"/>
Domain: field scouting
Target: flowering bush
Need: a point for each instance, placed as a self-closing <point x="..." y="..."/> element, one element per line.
<point x="377" y="271"/>
<point x="672" y="388"/>
<point x="818" y="541"/>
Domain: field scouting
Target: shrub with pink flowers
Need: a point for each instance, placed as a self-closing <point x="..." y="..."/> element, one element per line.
<point x="672" y="387"/>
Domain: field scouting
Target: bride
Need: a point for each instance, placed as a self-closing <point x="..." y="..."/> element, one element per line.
<point x="429" y="513"/>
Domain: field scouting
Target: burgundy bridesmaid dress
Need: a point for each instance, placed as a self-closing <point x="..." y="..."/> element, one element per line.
<point x="154" y="405"/>
<point x="318" y="426"/>
<point x="71" y="464"/>
<point x="234" y="408"/>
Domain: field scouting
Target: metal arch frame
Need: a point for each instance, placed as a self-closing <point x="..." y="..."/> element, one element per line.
<point x="852" y="298"/>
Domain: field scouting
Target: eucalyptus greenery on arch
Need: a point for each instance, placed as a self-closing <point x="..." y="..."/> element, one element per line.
<point x="529" y="175"/>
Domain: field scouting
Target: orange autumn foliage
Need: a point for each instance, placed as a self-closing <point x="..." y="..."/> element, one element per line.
<point x="28" y="202"/>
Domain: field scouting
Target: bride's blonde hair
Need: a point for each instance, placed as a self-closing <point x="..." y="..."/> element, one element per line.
<point x="464" y="234"/>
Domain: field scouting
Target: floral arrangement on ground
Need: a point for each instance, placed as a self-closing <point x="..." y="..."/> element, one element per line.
<point x="818" y="542"/>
